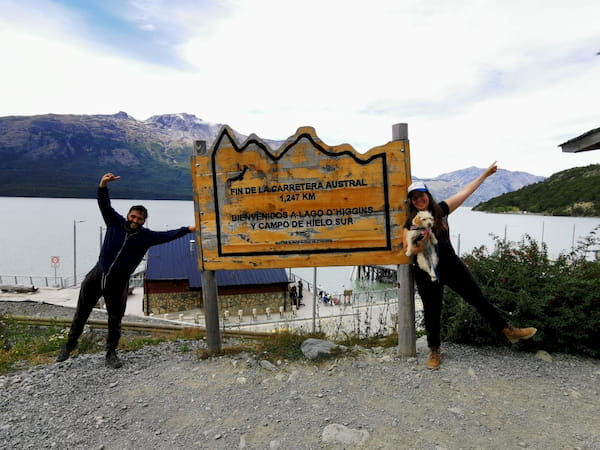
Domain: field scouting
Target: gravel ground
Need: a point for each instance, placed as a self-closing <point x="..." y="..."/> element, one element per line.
<point x="165" y="397"/>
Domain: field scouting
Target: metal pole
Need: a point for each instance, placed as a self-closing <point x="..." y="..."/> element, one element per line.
<point x="314" y="328"/>
<point x="211" y="311"/>
<point x="542" y="233"/>
<point x="407" y="338"/>
<point x="75" y="222"/>
<point x="74" y="253"/>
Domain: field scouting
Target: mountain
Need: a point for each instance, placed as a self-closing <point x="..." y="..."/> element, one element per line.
<point x="502" y="181"/>
<point x="571" y="192"/>
<point x="57" y="155"/>
<point x="63" y="155"/>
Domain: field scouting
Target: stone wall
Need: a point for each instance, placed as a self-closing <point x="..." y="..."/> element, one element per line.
<point x="162" y="303"/>
<point x="246" y="302"/>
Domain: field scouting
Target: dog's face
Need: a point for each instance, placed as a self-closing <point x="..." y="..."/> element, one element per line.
<point x="424" y="219"/>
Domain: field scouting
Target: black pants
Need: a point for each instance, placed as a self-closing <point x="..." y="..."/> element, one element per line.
<point x="114" y="288"/>
<point x="454" y="274"/>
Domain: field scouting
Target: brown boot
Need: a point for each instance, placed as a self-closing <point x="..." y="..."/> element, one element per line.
<point x="435" y="356"/>
<point x="514" y="335"/>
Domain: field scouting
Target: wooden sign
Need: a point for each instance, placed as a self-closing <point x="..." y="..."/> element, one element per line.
<point x="305" y="204"/>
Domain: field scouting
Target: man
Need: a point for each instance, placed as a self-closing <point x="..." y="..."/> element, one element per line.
<point x="300" y="294"/>
<point x="125" y="244"/>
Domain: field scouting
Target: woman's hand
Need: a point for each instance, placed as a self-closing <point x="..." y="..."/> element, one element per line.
<point x="418" y="246"/>
<point x="457" y="199"/>
<point x="490" y="170"/>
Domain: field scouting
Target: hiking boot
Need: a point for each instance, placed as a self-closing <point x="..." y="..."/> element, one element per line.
<point x="514" y="335"/>
<point x="112" y="360"/>
<point x="435" y="357"/>
<point x="64" y="353"/>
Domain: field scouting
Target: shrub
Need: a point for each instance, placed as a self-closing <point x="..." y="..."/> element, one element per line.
<point x="20" y="343"/>
<point x="561" y="297"/>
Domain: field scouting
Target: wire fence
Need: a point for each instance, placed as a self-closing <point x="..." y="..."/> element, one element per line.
<point x="363" y="312"/>
<point x="32" y="281"/>
<point x="36" y="281"/>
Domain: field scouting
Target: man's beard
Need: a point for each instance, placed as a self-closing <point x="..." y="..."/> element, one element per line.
<point x="130" y="228"/>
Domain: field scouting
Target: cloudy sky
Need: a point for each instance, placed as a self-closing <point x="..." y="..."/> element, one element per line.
<point x="476" y="80"/>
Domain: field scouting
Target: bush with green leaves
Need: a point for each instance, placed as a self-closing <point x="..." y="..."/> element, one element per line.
<point x="561" y="297"/>
<point x="19" y="342"/>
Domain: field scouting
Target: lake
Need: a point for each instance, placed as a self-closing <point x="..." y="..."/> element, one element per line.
<point x="34" y="230"/>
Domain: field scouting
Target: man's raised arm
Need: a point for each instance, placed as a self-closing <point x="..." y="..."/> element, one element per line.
<point x="107" y="178"/>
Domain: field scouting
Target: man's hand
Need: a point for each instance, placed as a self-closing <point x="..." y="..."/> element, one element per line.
<point x="192" y="229"/>
<point x="107" y="178"/>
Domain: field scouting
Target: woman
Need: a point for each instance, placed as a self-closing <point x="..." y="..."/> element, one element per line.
<point x="451" y="271"/>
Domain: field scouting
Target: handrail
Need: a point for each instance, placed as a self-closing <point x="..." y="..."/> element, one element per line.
<point x="135" y="326"/>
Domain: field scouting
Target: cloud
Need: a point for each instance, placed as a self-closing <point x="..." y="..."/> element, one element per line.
<point x="150" y="31"/>
<point x="476" y="80"/>
<point x="536" y="70"/>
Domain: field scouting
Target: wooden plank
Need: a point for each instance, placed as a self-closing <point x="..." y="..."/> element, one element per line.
<point x="211" y="311"/>
<point x="20" y="289"/>
<point x="407" y="339"/>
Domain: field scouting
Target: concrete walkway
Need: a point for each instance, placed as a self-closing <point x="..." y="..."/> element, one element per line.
<point x="365" y="316"/>
<point x="68" y="297"/>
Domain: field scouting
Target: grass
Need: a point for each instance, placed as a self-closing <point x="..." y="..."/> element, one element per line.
<point x="277" y="346"/>
<point x="22" y="345"/>
<point x="351" y="340"/>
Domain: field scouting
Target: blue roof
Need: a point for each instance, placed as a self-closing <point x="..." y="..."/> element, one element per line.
<point x="178" y="260"/>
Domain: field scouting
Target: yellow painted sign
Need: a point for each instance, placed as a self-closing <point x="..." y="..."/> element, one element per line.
<point x="304" y="205"/>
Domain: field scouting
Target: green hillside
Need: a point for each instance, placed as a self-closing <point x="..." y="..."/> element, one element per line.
<point x="78" y="178"/>
<point x="572" y="192"/>
<point x="65" y="156"/>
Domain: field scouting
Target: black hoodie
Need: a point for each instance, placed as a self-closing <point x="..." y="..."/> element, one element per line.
<point x="123" y="249"/>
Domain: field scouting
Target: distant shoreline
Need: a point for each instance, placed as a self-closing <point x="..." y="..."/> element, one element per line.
<point x="529" y="213"/>
<point x="93" y="197"/>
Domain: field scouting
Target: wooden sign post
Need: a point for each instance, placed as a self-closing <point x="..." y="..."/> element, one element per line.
<point x="305" y="204"/>
<point x="407" y="345"/>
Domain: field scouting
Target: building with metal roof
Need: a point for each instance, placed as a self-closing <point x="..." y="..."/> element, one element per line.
<point x="589" y="140"/>
<point x="173" y="282"/>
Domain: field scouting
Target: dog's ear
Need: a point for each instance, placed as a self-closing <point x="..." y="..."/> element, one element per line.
<point x="417" y="220"/>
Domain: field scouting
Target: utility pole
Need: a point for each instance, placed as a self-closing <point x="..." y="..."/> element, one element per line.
<point x="75" y="222"/>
